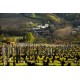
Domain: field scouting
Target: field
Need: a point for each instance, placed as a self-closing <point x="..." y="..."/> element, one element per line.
<point x="39" y="55"/>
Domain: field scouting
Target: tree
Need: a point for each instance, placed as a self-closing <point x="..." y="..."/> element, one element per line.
<point x="0" y="29"/>
<point x="29" y="37"/>
<point x="33" y="15"/>
<point x="1" y="37"/>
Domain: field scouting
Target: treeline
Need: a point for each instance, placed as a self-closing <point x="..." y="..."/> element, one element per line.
<point x="71" y="18"/>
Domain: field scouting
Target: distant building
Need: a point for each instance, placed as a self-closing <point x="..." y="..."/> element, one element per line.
<point x="40" y="29"/>
<point x="41" y="26"/>
<point x="45" y="26"/>
<point x="35" y="28"/>
<point x="78" y="26"/>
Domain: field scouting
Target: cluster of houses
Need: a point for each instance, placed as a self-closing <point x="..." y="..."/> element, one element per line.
<point x="40" y="29"/>
<point x="41" y="26"/>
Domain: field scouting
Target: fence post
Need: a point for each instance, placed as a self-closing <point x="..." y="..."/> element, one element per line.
<point x="13" y="54"/>
<point x="37" y="50"/>
<point x="7" y="54"/>
<point x="24" y="53"/>
<point x="29" y="51"/>
<point x="33" y="48"/>
<point x="19" y="53"/>
<point x="3" y="55"/>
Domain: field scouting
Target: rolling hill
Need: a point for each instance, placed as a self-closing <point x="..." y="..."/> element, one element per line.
<point x="10" y="19"/>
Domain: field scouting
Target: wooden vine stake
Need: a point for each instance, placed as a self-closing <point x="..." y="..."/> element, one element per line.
<point x="3" y="55"/>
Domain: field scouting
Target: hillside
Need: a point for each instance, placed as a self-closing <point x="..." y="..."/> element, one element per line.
<point x="58" y="18"/>
<point x="72" y="18"/>
<point x="14" y="19"/>
<point x="11" y="18"/>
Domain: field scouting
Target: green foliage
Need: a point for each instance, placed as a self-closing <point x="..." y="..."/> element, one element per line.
<point x="10" y="39"/>
<point x="35" y="24"/>
<point x="40" y="40"/>
<point x="1" y="37"/>
<point x="54" y="18"/>
<point x="29" y="37"/>
<point x="33" y="15"/>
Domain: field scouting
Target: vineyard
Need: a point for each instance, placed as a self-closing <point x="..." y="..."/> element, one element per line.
<point x="39" y="55"/>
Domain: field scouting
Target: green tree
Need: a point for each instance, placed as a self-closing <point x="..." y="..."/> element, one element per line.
<point x="29" y="37"/>
<point x="1" y="37"/>
<point x="0" y="29"/>
<point x="33" y="15"/>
